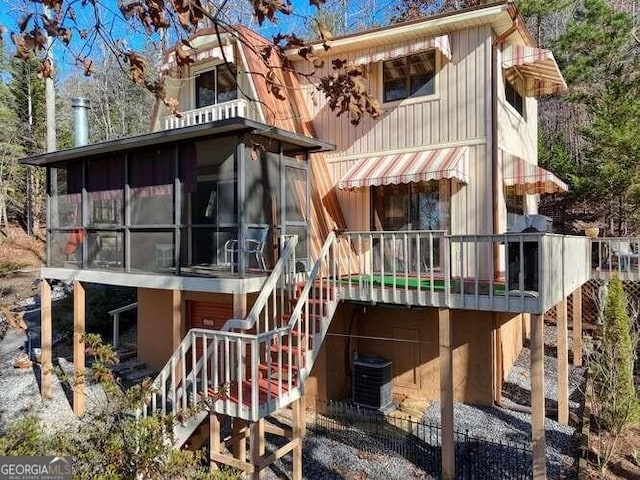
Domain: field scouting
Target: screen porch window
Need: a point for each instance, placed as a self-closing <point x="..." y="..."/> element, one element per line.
<point x="216" y="86"/>
<point x="411" y="76"/>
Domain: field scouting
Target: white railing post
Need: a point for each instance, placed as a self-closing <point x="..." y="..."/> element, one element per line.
<point x="255" y="399"/>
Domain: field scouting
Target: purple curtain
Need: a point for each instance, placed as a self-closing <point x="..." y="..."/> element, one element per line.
<point x="189" y="167"/>
<point x="151" y="172"/>
<point x="105" y="180"/>
<point x="74" y="177"/>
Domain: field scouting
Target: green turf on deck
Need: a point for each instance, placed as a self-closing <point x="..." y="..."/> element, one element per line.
<point x="411" y="282"/>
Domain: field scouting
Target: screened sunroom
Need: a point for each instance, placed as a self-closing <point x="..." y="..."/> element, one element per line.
<point x="211" y="200"/>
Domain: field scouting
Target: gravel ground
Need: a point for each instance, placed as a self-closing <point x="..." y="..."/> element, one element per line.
<point x="327" y="459"/>
<point x="20" y="388"/>
<point x="324" y="458"/>
<point x="494" y="423"/>
<point x="20" y="391"/>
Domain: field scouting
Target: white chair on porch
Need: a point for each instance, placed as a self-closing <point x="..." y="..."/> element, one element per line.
<point x="621" y="249"/>
<point x="254" y="244"/>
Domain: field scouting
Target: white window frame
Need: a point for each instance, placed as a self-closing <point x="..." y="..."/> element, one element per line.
<point x="410" y="100"/>
<point x="202" y="69"/>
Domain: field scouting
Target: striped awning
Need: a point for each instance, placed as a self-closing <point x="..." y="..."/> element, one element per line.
<point x="522" y="177"/>
<point x="409" y="47"/>
<point x="438" y="164"/>
<point x="217" y="53"/>
<point x="536" y="67"/>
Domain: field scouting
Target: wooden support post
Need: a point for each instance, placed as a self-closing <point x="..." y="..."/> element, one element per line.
<point x="239" y="305"/>
<point x="563" y="362"/>
<point x="525" y="327"/>
<point x="577" y="327"/>
<point x="46" y="333"/>
<point x="178" y="317"/>
<point x="214" y="439"/>
<point x="446" y="394"/>
<point x="79" y="304"/>
<point x="537" y="399"/>
<point x="303" y="415"/>
<point x="256" y="443"/>
<point x="297" y="409"/>
<point x="240" y="441"/>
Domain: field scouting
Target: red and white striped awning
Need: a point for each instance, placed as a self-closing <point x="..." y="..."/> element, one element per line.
<point x="536" y="66"/>
<point x="217" y="53"/>
<point x="409" y="47"/>
<point x="522" y="177"/>
<point x="438" y="164"/>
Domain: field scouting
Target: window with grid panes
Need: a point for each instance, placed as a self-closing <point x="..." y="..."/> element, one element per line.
<point x="411" y="76"/>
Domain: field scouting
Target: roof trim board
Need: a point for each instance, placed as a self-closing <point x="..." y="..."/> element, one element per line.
<point x="221" y="127"/>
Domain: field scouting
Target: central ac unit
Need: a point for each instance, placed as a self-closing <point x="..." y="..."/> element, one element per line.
<point x="372" y="383"/>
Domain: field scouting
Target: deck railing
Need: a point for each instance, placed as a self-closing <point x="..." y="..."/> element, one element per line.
<point x="253" y="372"/>
<point x="615" y="255"/>
<point x="210" y="113"/>
<point x="528" y="272"/>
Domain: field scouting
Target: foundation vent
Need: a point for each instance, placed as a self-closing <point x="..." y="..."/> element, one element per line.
<point x="372" y="383"/>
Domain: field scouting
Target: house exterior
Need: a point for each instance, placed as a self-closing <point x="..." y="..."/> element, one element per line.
<point x="268" y="238"/>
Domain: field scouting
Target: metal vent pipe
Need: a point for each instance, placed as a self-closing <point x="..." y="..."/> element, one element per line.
<point x="80" y="106"/>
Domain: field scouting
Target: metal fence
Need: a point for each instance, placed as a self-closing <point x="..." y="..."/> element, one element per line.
<point x="420" y="442"/>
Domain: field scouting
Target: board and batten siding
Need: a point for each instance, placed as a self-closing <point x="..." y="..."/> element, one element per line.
<point x="517" y="134"/>
<point x="455" y="116"/>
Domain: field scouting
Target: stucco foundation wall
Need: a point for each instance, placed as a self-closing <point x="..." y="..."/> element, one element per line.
<point x="409" y="339"/>
<point x="161" y="325"/>
<point x="163" y="319"/>
<point x="511" y="340"/>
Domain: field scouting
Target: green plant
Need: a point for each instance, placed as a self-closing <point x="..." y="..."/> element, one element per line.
<point x="612" y="362"/>
<point x="110" y="442"/>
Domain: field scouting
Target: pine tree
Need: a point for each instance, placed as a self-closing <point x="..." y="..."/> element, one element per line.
<point x="616" y="400"/>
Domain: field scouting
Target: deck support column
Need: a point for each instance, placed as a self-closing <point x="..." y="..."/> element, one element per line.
<point x="577" y="327"/>
<point x="239" y="305"/>
<point x="214" y="439"/>
<point x="79" y="304"/>
<point x="46" y="333"/>
<point x="563" y="362"/>
<point x="240" y="440"/>
<point x="538" y="436"/>
<point x="179" y="316"/>
<point x="446" y="394"/>
<point x="256" y="443"/>
<point x="297" y="417"/>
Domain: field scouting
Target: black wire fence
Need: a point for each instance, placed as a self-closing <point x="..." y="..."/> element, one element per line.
<point x="419" y="442"/>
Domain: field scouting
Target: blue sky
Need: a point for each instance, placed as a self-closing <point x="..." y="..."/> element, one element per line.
<point x="362" y="13"/>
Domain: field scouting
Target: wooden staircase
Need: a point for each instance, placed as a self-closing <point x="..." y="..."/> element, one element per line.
<point x="258" y="365"/>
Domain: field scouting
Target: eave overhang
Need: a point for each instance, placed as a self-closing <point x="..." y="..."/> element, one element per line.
<point x="229" y="126"/>
<point x="500" y="16"/>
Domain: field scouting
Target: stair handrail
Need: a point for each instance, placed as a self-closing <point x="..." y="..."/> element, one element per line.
<point x="269" y="286"/>
<point x="304" y="295"/>
<point x="186" y="340"/>
<point x="185" y="344"/>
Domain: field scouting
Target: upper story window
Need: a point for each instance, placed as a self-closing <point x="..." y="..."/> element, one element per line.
<point x="513" y="97"/>
<point x="411" y="76"/>
<point x="216" y="86"/>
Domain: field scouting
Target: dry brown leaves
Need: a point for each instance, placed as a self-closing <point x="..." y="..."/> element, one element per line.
<point x="347" y="91"/>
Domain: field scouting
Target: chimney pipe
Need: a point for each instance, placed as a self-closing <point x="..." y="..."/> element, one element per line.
<point x="80" y="106"/>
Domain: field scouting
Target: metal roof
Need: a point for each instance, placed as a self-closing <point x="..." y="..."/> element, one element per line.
<point x="228" y="126"/>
